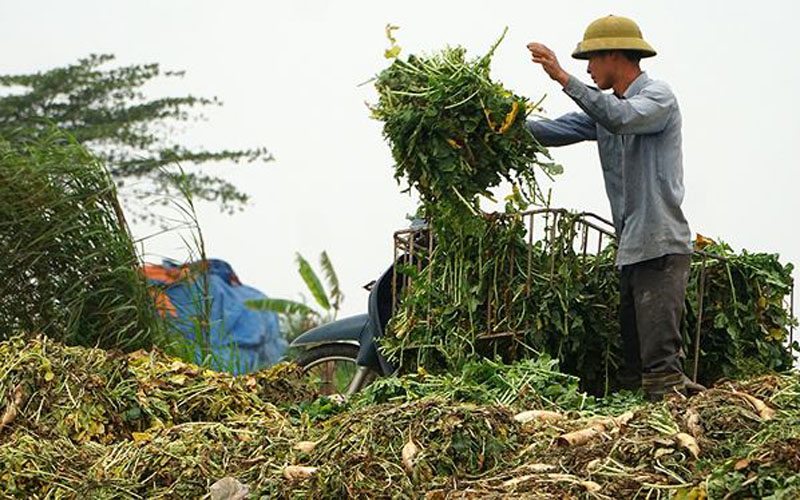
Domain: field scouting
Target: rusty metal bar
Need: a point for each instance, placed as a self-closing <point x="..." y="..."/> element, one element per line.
<point x="414" y="248"/>
<point x="584" y="238"/>
<point x="410" y="254"/>
<point x="508" y="282"/>
<point x="601" y="219"/>
<point x="700" y="295"/>
<point x="394" y="275"/>
<point x="546" y="222"/>
<point x="530" y="259"/>
<point x="552" y="247"/>
<point x="572" y="233"/>
<point x="400" y="232"/>
<point x="582" y="215"/>
<point x="791" y="317"/>
<point x="430" y="269"/>
<point x="489" y="302"/>
<point x="599" y="229"/>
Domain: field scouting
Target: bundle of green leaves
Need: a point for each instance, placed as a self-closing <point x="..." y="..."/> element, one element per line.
<point x="455" y="133"/>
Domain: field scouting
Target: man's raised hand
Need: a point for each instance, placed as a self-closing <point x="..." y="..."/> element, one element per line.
<point x="542" y="55"/>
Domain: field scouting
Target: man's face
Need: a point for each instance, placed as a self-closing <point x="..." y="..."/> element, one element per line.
<point x="602" y="66"/>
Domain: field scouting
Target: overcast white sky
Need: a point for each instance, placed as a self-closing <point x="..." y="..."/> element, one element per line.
<point x="288" y="74"/>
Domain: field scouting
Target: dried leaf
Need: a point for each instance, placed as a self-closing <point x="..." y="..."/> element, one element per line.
<point x="687" y="442"/>
<point x="141" y="436"/>
<point x="693" y="422"/>
<point x="660" y="452"/>
<point x="13" y="408"/>
<point x="539" y="468"/>
<point x="228" y="488"/>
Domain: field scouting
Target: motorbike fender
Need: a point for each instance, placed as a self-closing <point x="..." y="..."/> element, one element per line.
<point x="343" y="330"/>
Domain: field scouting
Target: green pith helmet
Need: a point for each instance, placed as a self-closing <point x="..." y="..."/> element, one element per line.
<point x="612" y="33"/>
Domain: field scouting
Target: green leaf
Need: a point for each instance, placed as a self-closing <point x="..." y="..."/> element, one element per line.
<point x="281" y="306"/>
<point x="336" y="294"/>
<point x="312" y="282"/>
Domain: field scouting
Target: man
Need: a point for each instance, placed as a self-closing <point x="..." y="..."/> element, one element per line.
<point x="638" y="131"/>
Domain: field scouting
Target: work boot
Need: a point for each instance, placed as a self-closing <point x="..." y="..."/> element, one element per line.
<point x="657" y="385"/>
<point x="692" y="388"/>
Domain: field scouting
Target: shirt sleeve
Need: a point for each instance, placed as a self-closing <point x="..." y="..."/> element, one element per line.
<point x="645" y="113"/>
<point x="566" y="129"/>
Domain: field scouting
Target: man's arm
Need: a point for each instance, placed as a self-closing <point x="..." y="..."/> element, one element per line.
<point x="566" y="129"/>
<point x="645" y="113"/>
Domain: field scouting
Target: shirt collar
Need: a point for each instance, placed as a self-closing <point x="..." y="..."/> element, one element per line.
<point x="636" y="85"/>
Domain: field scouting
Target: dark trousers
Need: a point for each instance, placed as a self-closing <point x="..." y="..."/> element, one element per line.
<point x="651" y="306"/>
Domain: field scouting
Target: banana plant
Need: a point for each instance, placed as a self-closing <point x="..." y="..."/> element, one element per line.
<point x="297" y="316"/>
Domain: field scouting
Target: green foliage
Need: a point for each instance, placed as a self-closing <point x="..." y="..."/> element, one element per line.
<point x="746" y="318"/>
<point x="108" y="111"/>
<point x="147" y="425"/>
<point x="282" y="306"/>
<point x="317" y="410"/>
<point x="475" y="286"/>
<point x="534" y="382"/>
<point x="298" y="317"/>
<point x="332" y="279"/>
<point x="312" y="282"/>
<point x="69" y="266"/>
<point x="454" y="133"/>
<point x="484" y="291"/>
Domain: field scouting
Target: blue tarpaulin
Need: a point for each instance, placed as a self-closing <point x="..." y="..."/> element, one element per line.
<point x="240" y="340"/>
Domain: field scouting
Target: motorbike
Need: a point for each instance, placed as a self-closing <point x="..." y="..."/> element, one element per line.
<point x="341" y="357"/>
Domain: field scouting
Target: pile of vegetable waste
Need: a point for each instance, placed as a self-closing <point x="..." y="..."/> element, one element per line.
<point x="490" y="431"/>
<point x="50" y="390"/>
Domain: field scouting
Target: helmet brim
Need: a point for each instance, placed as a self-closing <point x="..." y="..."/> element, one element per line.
<point x="587" y="47"/>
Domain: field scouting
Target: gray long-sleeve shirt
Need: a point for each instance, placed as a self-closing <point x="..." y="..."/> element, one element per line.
<point x="639" y="140"/>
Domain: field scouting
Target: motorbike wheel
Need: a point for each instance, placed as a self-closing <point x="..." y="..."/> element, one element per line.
<point x="331" y="368"/>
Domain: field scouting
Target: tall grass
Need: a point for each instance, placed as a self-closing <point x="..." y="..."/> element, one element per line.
<point x="189" y="336"/>
<point x="68" y="265"/>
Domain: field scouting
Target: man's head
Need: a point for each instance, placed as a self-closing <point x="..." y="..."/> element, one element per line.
<point x="608" y="67"/>
<point x="613" y="45"/>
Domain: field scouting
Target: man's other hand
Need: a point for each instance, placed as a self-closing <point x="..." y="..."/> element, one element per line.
<point x="540" y="54"/>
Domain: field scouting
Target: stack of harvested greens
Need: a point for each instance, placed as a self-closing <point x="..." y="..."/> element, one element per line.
<point x="493" y="294"/>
